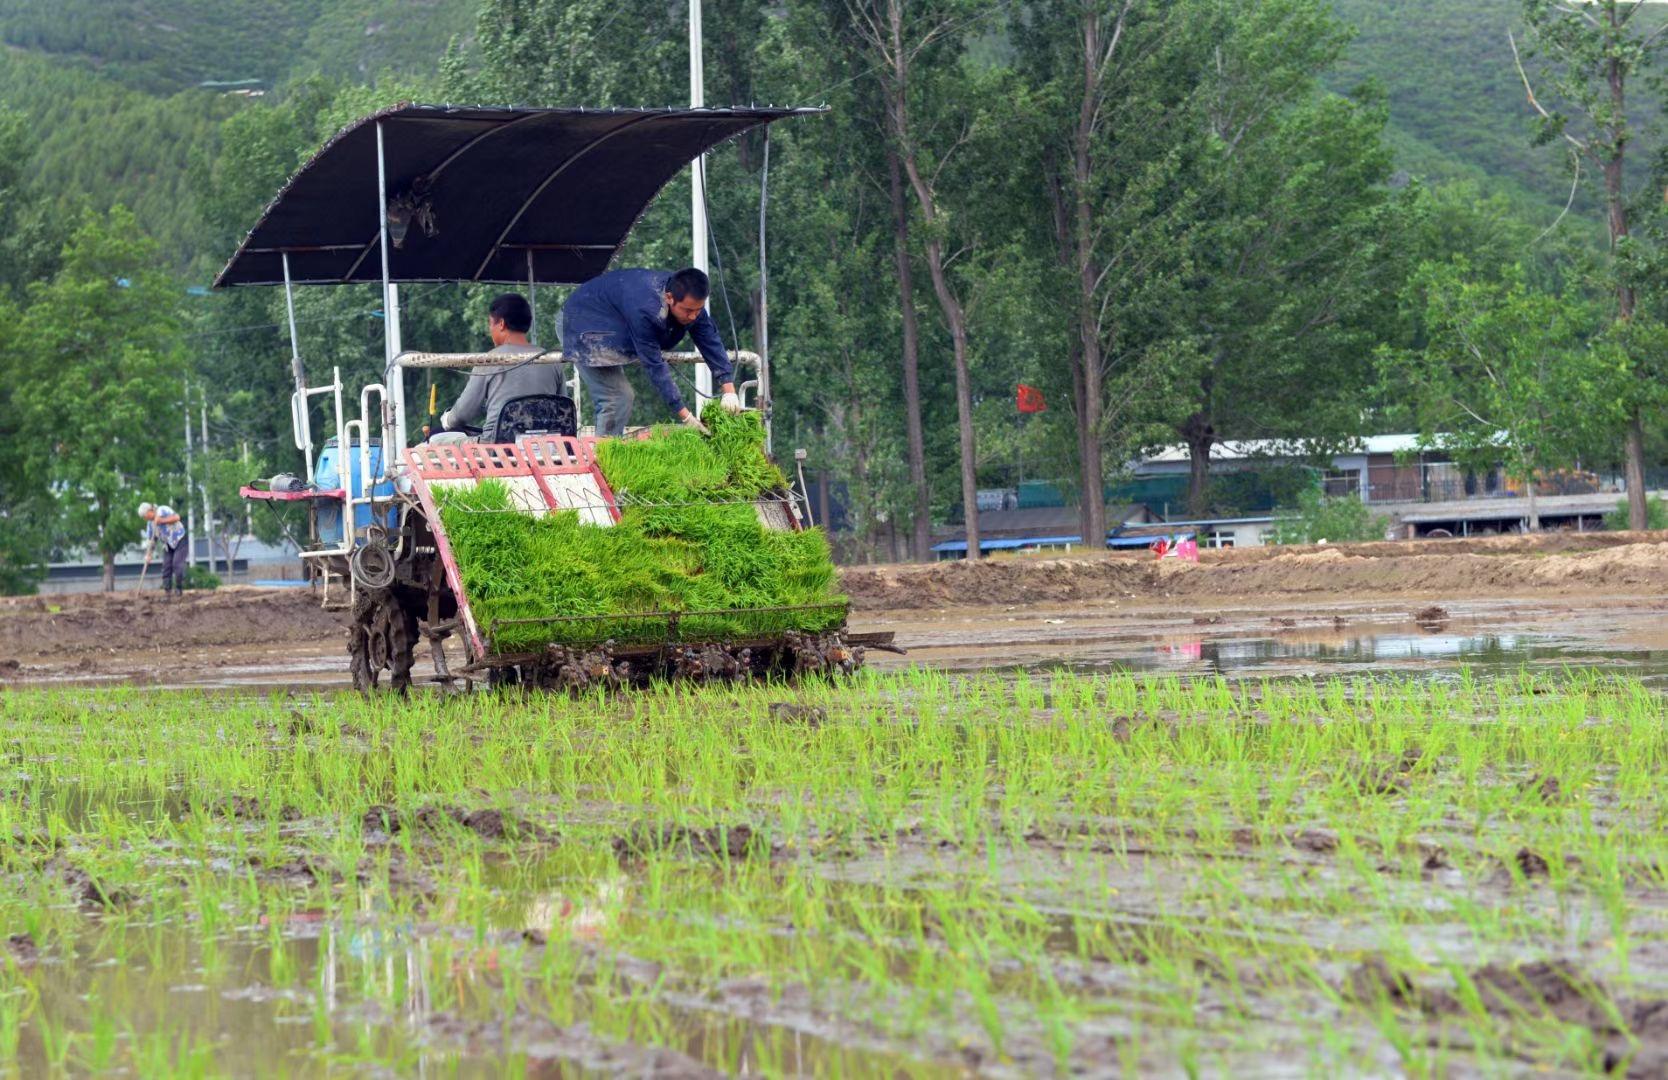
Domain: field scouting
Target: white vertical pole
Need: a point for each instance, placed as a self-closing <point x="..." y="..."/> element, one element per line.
<point x="248" y="506"/>
<point x="394" y="380"/>
<point x="764" y="292"/>
<point x="698" y="181"/>
<point x="304" y="426"/>
<point x="208" y="510"/>
<point x="190" y="513"/>
<point x="532" y="302"/>
<point x="392" y="375"/>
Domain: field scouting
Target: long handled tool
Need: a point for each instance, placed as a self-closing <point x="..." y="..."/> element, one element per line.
<point x="150" y="548"/>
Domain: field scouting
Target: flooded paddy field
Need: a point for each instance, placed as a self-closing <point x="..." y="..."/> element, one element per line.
<point x="257" y="642"/>
<point x="919" y="872"/>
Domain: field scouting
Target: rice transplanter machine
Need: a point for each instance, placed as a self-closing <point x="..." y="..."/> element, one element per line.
<point x="511" y="196"/>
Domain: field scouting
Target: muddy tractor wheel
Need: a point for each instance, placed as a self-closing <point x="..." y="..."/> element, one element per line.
<point x="383" y="638"/>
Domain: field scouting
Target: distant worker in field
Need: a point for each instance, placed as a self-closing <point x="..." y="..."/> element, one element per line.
<point x="630" y="317"/>
<point x="162" y="524"/>
<point x="509" y="317"/>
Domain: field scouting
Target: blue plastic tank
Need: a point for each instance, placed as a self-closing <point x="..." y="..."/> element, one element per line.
<point x="327" y="474"/>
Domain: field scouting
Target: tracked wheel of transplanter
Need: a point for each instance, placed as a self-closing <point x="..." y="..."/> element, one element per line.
<point x="383" y="638"/>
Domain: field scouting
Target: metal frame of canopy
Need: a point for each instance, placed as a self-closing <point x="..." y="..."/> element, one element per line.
<point x="647" y="146"/>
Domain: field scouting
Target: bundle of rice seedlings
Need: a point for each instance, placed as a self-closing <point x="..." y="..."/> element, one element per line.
<point x="689" y="540"/>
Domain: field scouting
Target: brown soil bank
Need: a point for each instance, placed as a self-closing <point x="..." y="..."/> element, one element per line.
<point x="78" y="623"/>
<point x="1504" y="566"/>
<point x="51" y="628"/>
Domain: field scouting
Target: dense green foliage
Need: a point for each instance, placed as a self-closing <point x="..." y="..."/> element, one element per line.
<point x="1249" y="213"/>
<point x="1337" y="520"/>
<point x="688" y="540"/>
<point x="167" y="45"/>
<point x="1509" y="375"/>
<point x="1656" y="514"/>
<point x="97" y="368"/>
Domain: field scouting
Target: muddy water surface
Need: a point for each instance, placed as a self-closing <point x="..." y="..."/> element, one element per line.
<point x="1625" y="634"/>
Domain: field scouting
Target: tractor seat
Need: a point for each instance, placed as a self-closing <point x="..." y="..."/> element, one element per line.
<point x="535" y="414"/>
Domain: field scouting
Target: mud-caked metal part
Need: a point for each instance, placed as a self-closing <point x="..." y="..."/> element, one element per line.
<point x="574" y="667"/>
<point x="372" y="566"/>
<point x="382" y="638"/>
<point x="712" y="661"/>
<point x="821" y="652"/>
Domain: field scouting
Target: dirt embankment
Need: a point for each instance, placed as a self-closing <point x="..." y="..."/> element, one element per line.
<point x="52" y="630"/>
<point x="1507" y="566"/>
<point x="78" y="623"/>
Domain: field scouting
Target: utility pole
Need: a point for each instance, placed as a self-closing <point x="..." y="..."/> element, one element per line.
<point x="190" y="513"/>
<point x="698" y="184"/>
<point x="208" y="510"/>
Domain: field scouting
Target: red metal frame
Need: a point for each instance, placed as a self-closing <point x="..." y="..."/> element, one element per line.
<point x="443" y="467"/>
<point x="566" y="455"/>
<point x="538" y="458"/>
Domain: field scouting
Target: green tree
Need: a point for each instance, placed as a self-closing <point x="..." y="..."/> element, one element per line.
<point x="25" y="502"/>
<point x="1291" y="271"/>
<point x="1510" y="375"/>
<point x="101" y="369"/>
<point x="1337" y="520"/>
<point x="26" y="253"/>
<point x="1592" y="51"/>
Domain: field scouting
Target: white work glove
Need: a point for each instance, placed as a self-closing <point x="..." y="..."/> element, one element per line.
<point x="731" y="402"/>
<point x="691" y="420"/>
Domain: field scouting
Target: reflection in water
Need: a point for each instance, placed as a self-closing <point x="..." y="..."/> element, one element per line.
<point x="1493" y="652"/>
<point x="457" y="990"/>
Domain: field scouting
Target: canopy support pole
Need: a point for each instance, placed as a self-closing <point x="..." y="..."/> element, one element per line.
<point x="532" y="302"/>
<point x="764" y="291"/>
<point x="298" y="404"/>
<point x="393" y="376"/>
<point x="698" y="183"/>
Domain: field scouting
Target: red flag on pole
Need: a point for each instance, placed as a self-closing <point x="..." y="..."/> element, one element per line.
<point x="1031" y="400"/>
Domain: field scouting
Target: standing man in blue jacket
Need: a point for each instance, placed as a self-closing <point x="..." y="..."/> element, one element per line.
<point x="630" y="317"/>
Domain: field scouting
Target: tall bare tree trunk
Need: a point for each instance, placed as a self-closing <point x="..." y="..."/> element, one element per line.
<point x="1065" y="248"/>
<point x="955" y="316"/>
<point x="1085" y="437"/>
<point x="109" y="572"/>
<point x="921" y="525"/>
<point x="1199" y="435"/>
<point x="1616" y="217"/>
<point x="1088" y="276"/>
<point x="1637" y="515"/>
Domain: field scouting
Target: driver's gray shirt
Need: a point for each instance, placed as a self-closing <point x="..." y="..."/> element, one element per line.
<point x="490" y="387"/>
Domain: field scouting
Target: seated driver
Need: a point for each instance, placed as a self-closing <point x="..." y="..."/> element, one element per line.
<point x="509" y="317"/>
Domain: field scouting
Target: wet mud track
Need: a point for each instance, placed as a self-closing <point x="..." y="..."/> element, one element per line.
<point x="1236" y="638"/>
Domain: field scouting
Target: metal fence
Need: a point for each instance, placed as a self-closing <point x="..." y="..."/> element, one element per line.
<point x="1443" y="481"/>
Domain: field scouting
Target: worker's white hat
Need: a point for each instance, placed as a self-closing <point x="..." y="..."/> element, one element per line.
<point x="145" y="508"/>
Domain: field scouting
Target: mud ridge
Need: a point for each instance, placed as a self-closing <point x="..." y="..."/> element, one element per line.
<point x="1519" y="565"/>
<point x="1634" y="1033"/>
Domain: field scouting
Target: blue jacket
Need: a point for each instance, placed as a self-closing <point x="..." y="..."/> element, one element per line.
<point x="620" y="318"/>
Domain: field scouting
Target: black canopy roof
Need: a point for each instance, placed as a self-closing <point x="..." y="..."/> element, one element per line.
<point x="495" y="187"/>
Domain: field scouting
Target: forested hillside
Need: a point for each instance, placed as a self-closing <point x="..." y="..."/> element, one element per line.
<point x="115" y="89"/>
<point x="165" y="45"/>
<point x="122" y="78"/>
<point x="95" y="142"/>
<point x="1457" y="106"/>
<point x="1235" y="251"/>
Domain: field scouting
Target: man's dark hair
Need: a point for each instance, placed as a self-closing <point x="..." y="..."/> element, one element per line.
<point x="513" y="310"/>
<point x="689" y="282"/>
